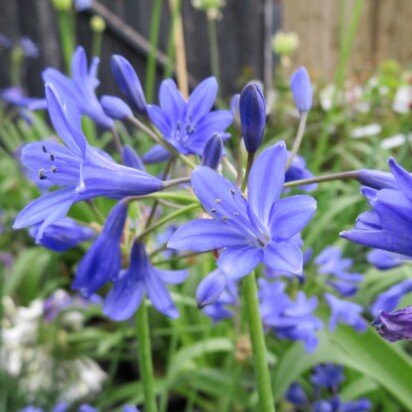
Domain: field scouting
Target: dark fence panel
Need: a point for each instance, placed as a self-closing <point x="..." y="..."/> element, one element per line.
<point x="240" y="35"/>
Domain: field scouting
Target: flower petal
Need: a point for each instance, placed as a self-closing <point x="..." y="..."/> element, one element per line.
<point x="156" y="154"/>
<point x="173" y="277"/>
<point x="202" y="99"/>
<point x="284" y="257"/>
<point x="290" y="215"/>
<point x="236" y="262"/>
<point x="266" y="180"/>
<point x="171" y="100"/>
<point x="402" y="177"/>
<point x="205" y="234"/>
<point x="210" y="288"/>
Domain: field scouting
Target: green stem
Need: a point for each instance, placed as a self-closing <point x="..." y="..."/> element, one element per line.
<point x="97" y="43"/>
<point x="66" y="29"/>
<point x="250" y="159"/>
<point x="214" y="50"/>
<point x="298" y="139"/>
<point x="145" y="357"/>
<point x="171" y="52"/>
<point x="352" y="174"/>
<point x="257" y="338"/>
<point x="153" y="38"/>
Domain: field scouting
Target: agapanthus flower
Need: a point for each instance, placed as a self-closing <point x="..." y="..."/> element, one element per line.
<point x="298" y="171"/>
<point x="389" y="300"/>
<point x="82" y="171"/>
<point x="301" y="90"/>
<point x="335" y="404"/>
<point x="296" y="395"/>
<point x="384" y="260"/>
<point x="396" y="325"/>
<point x="60" y="407"/>
<point x="187" y="124"/>
<point x="16" y="96"/>
<point x="213" y="151"/>
<point x="327" y="376"/>
<point x="139" y="279"/>
<point x="131" y="158"/>
<point x="30" y="49"/>
<point x="337" y="268"/>
<point x="62" y="235"/>
<point x="102" y="261"/>
<point x="388" y="226"/>
<point x="115" y="107"/>
<point x="290" y="319"/>
<point x="81" y="5"/>
<point x="348" y="313"/>
<point x="79" y="91"/>
<point x="253" y="230"/>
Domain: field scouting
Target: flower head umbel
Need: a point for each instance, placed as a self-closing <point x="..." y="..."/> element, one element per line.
<point x="82" y="171"/>
<point x="388" y="226"/>
<point x="396" y="325"/>
<point x="141" y="277"/>
<point x="79" y="91"/>
<point x="188" y="124"/>
<point x="345" y="312"/>
<point x="102" y="261"/>
<point x="389" y="300"/>
<point x="62" y="235"/>
<point x="290" y="319"/>
<point x="253" y="230"/>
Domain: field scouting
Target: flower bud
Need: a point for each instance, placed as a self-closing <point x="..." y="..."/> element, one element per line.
<point x="115" y="107"/>
<point x="376" y="179"/>
<point x="396" y="325"/>
<point x="301" y="89"/>
<point x="97" y="24"/>
<point x="131" y="158"/>
<point x="213" y="151"/>
<point x="210" y="288"/>
<point x="62" y="5"/>
<point x="252" y="109"/>
<point x="284" y="43"/>
<point x="129" y="83"/>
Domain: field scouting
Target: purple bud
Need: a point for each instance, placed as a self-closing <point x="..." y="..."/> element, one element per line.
<point x="213" y="151"/>
<point x="115" y="107"/>
<point x="377" y="179"/>
<point x="131" y="158"/>
<point x="210" y="288"/>
<point x="129" y="83"/>
<point x="252" y="109"/>
<point x="301" y="89"/>
<point x="296" y="395"/>
<point x="234" y="108"/>
<point x="396" y="325"/>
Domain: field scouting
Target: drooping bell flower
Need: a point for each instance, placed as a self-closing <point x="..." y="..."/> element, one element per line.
<point x="301" y="90"/>
<point x="376" y="179"/>
<point x="129" y="83"/>
<point x="213" y="152"/>
<point x="102" y="262"/>
<point x="82" y="171"/>
<point x="252" y="109"/>
<point x="253" y="230"/>
<point x="139" y="279"/>
<point x="210" y="288"/>
<point x="79" y="90"/>
<point x="396" y="325"/>
<point x="115" y="107"/>
<point x="187" y="124"/>
<point x="62" y="235"/>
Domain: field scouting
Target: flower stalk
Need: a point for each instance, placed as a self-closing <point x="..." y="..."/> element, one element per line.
<point x="298" y="139"/>
<point x="351" y="174"/>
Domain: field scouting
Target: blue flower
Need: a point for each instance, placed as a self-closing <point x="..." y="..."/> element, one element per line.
<point x="377" y="179"/>
<point x="210" y="288"/>
<point x="290" y="319"/>
<point x="296" y="395"/>
<point x="62" y="235"/>
<point x="213" y="152"/>
<point x="327" y="376"/>
<point x="79" y="91"/>
<point x="30" y="49"/>
<point x="81" y="5"/>
<point x="389" y="300"/>
<point x="188" y="125"/>
<point x="141" y="277"/>
<point x="83" y="171"/>
<point x="360" y="405"/>
<point x="298" y="171"/>
<point x="129" y="83"/>
<point x="115" y="107"/>
<point x="345" y="312"/>
<point x="396" y="325"/>
<point x="87" y="408"/>
<point x="131" y="158"/>
<point x="383" y="260"/>
<point x="389" y="225"/>
<point x="252" y="109"/>
<point x="15" y="96"/>
<point x="102" y="261"/>
<point x="331" y="263"/>
<point x="301" y="89"/>
<point x="250" y="231"/>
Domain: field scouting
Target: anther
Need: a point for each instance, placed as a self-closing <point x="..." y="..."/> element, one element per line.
<point x="54" y="169"/>
<point x="52" y="157"/>
<point x="213" y="210"/>
<point x="225" y="218"/>
<point x="44" y="149"/>
<point x="42" y="174"/>
<point x="235" y="214"/>
<point x="218" y="201"/>
<point x="232" y="191"/>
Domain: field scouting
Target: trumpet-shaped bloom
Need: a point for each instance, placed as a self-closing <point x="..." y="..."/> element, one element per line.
<point x="383" y="260"/>
<point x="187" y="124"/>
<point x="396" y="325"/>
<point x="142" y="278"/>
<point x="345" y="312"/>
<point x="102" y="261"/>
<point x="389" y="300"/>
<point x="62" y="235"/>
<point x="115" y="107"/>
<point x="253" y="230"/>
<point x="79" y="91"/>
<point x="82" y="171"/>
<point x="389" y="225"/>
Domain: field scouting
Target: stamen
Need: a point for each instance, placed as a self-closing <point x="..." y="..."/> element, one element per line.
<point x="213" y="210"/>
<point x="225" y="218"/>
<point x="235" y="214"/>
<point x="54" y="169"/>
<point x="218" y="201"/>
<point x="232" y="191"/>
<point x="42" y="174"/>
<point x="52" y="157"/>
<point x="44" y="149"/>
